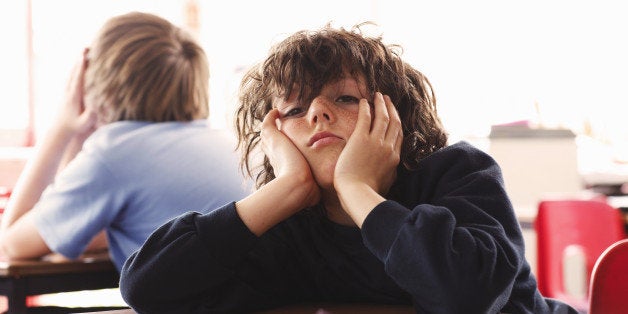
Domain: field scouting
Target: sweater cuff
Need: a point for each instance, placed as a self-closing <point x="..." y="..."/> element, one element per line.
<point x="226" y="236"/>
<point x="381" y="226"/>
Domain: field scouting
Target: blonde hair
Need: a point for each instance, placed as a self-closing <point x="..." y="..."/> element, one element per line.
<point x="142" y="67"/>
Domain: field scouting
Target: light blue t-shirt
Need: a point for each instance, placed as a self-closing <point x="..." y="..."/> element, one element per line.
<point x="131" y="177"/>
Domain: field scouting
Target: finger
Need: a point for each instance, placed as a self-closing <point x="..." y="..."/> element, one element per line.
<point x="394" y="124"/>
<point x="84" y="63"/>
<point x="268" y="126"/>
<point x="394" y="133"/>
<point x="81" y="79"/>
<point x="382" y="119"/>
<point x="89" y="117"/>
<point x="74" y="87"/>
<point x="85" y="56"/>
<point x="270" y="118"/>
<point x="74" y="73"/>
<point x="398" y="141"/>
<point x="363" y="125"/>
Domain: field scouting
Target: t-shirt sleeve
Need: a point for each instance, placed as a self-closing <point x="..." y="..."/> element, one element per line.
<point x="81" y="202"/>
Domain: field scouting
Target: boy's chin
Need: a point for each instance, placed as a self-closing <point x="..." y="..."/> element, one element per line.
<point x="325" y="179"/>
<point x="326" y="183"/>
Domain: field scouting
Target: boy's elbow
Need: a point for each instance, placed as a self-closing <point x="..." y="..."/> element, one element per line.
<point x="142" y="290"/>
<point x="136" y="297"/>
<point x="127" y="292"/>
<point x="14" y="247"/>
<point x="129" y="282"/>
<point x="9" y="250"/>
<point x="22" y="240"/>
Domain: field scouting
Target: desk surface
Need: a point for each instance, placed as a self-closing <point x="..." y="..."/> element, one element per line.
<point x="316" y="309"/>
<point x="56" y="264"/>
<point x="53" y="274"/>
<point x="349" y="308"/>
<point x="126" y="311"/>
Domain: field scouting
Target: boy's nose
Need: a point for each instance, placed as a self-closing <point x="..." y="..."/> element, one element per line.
<point x="320" y="110"/>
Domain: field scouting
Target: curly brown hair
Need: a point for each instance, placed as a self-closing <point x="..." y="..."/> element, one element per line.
<point x="308" y="60"/>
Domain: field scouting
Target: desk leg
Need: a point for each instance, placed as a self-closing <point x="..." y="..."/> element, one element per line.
<point x="17" y="297"/>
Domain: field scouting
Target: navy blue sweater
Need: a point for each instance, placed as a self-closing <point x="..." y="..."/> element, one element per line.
<point x="445" y="241"/>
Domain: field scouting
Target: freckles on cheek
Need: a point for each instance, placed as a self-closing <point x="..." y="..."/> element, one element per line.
<point x="289" y="128"/>
<point x="350" y="120"/>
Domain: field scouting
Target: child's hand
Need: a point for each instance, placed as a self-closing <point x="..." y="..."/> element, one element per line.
<point x="373" y="151"/>
<point x="292" y="189"/>
<point x="74" y="117"/>
<point x="285" y="157"/>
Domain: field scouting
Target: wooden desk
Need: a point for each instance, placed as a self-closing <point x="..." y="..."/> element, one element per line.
<point x="125" y="311"/>
<point x="53" y="274"/>
<point x="318" y="309"/>
<point x="348" y="308"/>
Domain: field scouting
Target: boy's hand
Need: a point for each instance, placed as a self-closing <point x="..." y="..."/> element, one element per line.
<point x="285" y="157"/>
<point x="366" y="168"/>
<point x="74" y="117"/>
<point x="373" y="150"/>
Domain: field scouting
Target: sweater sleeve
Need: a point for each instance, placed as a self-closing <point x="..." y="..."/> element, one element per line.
<point x="460" y="248"/>
<point x="184" y="266"/>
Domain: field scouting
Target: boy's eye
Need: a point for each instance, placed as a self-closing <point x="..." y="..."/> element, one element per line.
<point x="348" y="99"/>
<point x="293" y="112"/>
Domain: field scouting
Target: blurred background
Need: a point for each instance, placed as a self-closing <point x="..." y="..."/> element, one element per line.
<point x="558" y="63"/>
<point x="540" y="84"/>
<point x="549" y="65"/>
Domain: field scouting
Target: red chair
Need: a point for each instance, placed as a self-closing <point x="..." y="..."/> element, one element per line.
<point x="609" y="281"/>
<point x="562" y="226"/>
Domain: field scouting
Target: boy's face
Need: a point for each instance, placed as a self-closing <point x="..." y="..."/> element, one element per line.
<point x="320" y="129"/>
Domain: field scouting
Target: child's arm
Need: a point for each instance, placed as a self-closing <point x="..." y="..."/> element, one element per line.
<point x="292" y="189"/>
<point x="458" y="247"/>
<point x="187" y="264"/>
<point x="196" y="263"/>
<point x="20" y="238"/>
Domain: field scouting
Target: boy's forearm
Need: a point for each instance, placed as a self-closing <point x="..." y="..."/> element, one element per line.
<point x="275" y="202"/>
<point x="39" y="172"/>
<point x="358" y="199"/>
<point x="74" y="146"/>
